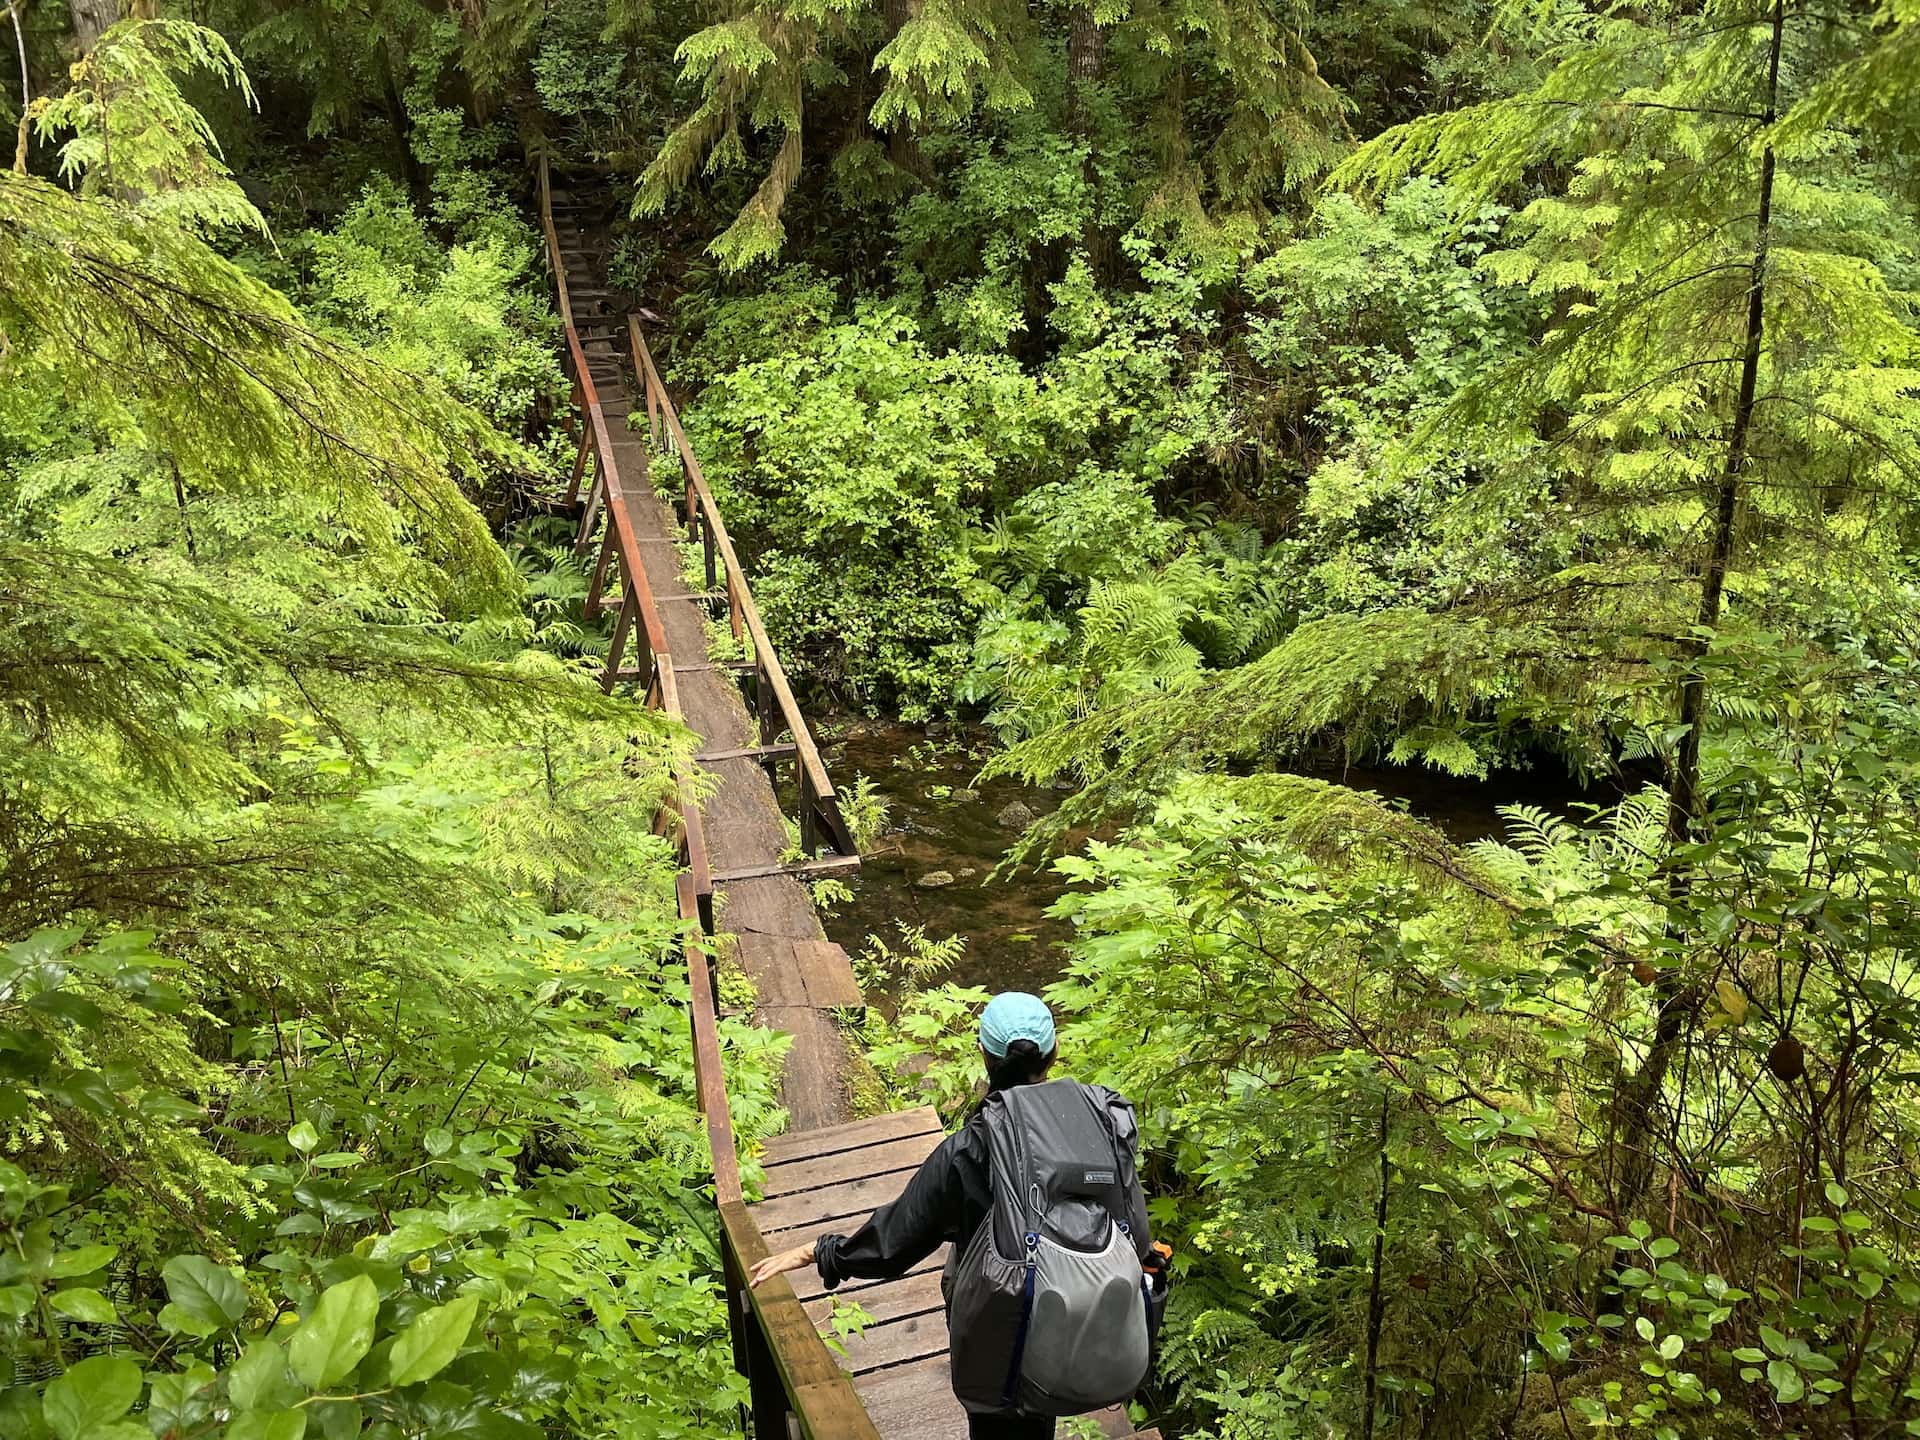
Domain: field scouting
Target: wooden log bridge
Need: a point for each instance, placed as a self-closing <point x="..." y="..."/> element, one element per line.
<point x="742" y="882"/>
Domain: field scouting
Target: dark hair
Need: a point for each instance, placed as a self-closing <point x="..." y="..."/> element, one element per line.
<point x="1023" y="1064"/>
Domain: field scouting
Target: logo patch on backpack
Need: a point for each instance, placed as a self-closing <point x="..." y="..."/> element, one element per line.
<point x="1098" y="1177"/>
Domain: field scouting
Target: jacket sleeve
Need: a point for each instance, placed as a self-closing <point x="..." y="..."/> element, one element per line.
<point x="899" y="1235"/>
<point x="1127" y="1133"/>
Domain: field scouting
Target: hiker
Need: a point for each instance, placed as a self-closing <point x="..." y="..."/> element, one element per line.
<point x="1053" y="1287"/>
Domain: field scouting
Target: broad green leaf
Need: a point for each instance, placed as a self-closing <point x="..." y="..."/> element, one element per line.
<point x="181" y="1402"/>
<point x="304" y="1138"/>
<point x="206" y="1293"/>
<point x="269" y="1425"/>
<point x="90" y="1396"/>
<point x="1671" y="1346"/>
<point x="260" y="1379"/>
<point x="84" y="1261"/>
<point x="1787" y="1384"/>
<point x="176" y="1321"/>
<point x="428" y="1345"/>
<point x="411" y="1236"/>
<point x="339" y="1332"/>
<point x="89" y="1307"/>
<point x="337" y="1419"/>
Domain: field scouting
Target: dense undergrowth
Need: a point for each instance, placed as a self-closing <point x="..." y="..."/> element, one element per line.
<point x="342" y="1004"/>
<point x="1181" y="390"/>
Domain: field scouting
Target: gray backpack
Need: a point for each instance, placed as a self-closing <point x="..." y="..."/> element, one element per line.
<point x="1049" y="1308"/>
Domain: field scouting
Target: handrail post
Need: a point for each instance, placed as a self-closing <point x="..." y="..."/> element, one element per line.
<point x="579" y="469"/>
<point x="648" y="666"/>
<point x="771" y="1413"/>
<point x="740" y="1327"/>
<point x="809" y="817"/>
<point x="596" y="497"/>
<point x="618" y="645"/>
<point x="596" y="585"/>
<point x="764" y="701"/>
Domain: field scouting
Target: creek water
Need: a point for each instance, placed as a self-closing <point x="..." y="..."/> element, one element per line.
<point x="945" y="834"/>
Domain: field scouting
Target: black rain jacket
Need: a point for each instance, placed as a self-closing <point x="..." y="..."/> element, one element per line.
<point x="945" y="1201"/>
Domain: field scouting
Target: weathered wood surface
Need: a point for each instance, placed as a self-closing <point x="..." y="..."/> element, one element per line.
<point x="787" y="972"/>
<point x="827" y="1182"/>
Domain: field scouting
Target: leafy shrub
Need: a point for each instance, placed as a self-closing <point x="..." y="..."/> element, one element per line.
<point x="473" y="315"/>
<point x="857" y="465"/>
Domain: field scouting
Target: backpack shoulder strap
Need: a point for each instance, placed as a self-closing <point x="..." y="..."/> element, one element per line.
<point x="1118" y="1111"/>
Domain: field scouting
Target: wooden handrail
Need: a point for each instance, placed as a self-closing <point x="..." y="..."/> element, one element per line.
<point x="709" y="1077"/>
<point x="825" y="1403"/>
<point x="740" y="594"/>
<point x="553" y="238"/>
<point x="613" y="495"/>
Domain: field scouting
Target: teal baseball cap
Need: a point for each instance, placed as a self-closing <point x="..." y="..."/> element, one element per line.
<point x="1015" y="1015"/>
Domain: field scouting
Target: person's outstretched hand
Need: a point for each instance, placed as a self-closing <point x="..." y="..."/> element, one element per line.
<point x="781" y="1262"/>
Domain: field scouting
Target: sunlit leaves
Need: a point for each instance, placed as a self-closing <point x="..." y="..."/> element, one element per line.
<point x="135" y="134"/>
<point x="428" y="1345"/>
<point x="333" y="1338"/>
<point x="103" y="306"/>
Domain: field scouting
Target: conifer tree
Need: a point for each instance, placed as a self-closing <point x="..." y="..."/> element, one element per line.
<point x="134" y="134"/>
<point x="1736" y="367"/>
<point x="764" y="67"/>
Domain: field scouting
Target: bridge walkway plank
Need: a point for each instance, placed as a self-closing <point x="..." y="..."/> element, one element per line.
<point x="826" y="1182"/>
<point x="744" y="822"/>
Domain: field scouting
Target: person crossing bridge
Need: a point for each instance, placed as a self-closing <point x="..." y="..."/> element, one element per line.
<point x="1054" y="1287"/>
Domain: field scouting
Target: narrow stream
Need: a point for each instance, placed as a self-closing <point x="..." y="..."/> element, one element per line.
<point x="945" y="834"/>
<point x="943" y="837"/>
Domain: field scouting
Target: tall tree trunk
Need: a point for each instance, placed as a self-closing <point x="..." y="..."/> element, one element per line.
<point x="402" y="123"/>
<point x="1086" y="53"/>
<point x="90" y="21"/>
<point x="1641" y="1094"/>
<point x="26" y="90"/>
<point x="1376" y="1295"/>
<point x="1086" y="49"/>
